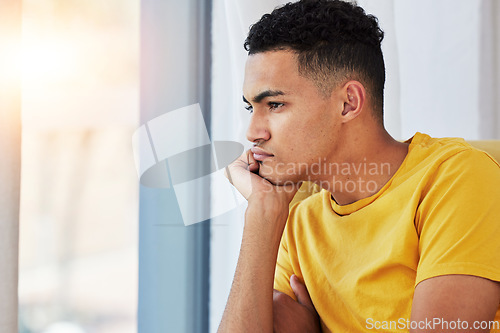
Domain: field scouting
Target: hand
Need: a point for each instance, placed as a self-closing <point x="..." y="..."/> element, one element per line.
<point x="291" y="316"/>
<point x="243" y="173"/>
<point x="268" y="204"/>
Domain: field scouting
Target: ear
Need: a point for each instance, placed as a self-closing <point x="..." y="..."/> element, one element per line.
<point x="354" y="95"/>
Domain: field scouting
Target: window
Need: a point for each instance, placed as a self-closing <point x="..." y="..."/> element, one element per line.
<point x="79" y="194"/>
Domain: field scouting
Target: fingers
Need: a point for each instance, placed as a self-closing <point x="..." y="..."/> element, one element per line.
<point x="242" y="174"/>
<point x="244" y="162"/>
<point x="300" y="291"/>
<point x="253" y="165"/>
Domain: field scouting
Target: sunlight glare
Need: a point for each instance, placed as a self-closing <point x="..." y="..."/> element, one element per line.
<point x="47" y="60"/>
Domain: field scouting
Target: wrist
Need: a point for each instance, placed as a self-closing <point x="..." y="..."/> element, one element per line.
<point x="268" y="204"/>
<point x="264" y="224"/>
<point x="266" y="214"/>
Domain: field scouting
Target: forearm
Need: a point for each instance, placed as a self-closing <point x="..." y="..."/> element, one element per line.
<point x="250" y="304"/>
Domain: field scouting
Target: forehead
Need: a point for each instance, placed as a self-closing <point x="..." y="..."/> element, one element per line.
<point x="276" y="70"/>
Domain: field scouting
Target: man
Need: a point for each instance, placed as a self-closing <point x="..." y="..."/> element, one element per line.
<point x="402" y="236"/>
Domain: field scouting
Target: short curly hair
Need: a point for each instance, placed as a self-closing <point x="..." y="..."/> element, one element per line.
<point x="334" y="40"/>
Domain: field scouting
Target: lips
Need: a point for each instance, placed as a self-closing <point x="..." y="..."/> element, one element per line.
<point x="260" y="154"/>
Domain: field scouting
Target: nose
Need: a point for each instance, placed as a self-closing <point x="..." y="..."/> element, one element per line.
<point x="258" y="129"/>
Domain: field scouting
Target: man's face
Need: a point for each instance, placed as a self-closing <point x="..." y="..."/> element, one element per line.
<point x="293" y="124"/>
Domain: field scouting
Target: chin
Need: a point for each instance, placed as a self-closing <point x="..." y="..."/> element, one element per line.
<point x="279" y="180"/>
<point x="280" y="173"/>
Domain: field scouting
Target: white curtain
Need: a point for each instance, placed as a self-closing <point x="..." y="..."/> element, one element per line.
<point x="442" y="62"/>
<point x="489" y="70"/>
<point x="443" y="75"/>
<point x="10" y="161"/>
<point x="230" y="23"/>
<point x="438" y="47"/>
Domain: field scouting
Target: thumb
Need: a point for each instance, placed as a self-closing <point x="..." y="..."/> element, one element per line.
<point x="300" y="291"/>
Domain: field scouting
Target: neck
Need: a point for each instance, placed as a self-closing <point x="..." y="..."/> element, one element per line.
<point x="363" y="165"/>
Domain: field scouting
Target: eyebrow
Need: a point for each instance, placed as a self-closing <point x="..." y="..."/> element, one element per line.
<point x="264" y="94"/>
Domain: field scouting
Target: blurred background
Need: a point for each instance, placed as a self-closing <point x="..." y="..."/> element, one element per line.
<point x="78" y="263"/>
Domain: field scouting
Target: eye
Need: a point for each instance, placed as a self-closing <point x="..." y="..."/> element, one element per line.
<point x="274" y="105"/>
<point x="249" y="108"/>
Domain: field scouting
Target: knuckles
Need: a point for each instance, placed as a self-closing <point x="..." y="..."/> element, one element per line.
<point x="280" y="298"/>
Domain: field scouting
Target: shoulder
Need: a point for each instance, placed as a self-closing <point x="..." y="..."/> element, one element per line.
<point x="437" y="150"/>
<point x="462" y="189"/>
<point x="438" y="157"/>
<point x="469" y="165"/>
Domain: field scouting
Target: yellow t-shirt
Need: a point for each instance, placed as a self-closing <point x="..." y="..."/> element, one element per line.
<point x="439" y="214"/>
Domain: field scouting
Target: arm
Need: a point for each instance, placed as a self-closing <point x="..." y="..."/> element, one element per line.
<point x="250" y="304"/>
<point x="452" y="298"/>
<point x="292" y="316"/>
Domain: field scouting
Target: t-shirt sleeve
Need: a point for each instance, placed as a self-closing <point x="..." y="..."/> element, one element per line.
<point x="458" y="219"/>
<point x="284" y="269"/>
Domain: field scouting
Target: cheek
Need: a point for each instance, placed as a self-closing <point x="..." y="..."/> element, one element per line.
<point x="298" y="136"/>
<point x="315" y="143"/>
